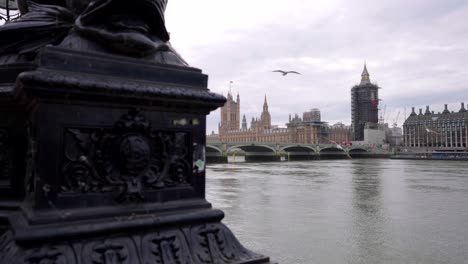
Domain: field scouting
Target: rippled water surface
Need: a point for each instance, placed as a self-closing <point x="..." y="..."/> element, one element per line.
<point x="346" y="211"/>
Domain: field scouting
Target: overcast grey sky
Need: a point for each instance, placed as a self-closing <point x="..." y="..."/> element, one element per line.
<point x="416" y="50"/>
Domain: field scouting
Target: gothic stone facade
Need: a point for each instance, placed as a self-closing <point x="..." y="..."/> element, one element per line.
<point x="230" y="114"/>
<point x="339" y="133"/>
<point x="306" y="130"/>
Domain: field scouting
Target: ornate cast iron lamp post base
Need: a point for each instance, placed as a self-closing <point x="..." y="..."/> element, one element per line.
<point x="89" y="178"/>
<point x="102" y="145"/>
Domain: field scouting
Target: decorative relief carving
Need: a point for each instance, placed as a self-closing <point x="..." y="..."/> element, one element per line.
<point x="110" y="254"/>
<point x="60" y="254"/>
<point x="137" y="29"/>
<point x="110" y="251"/>
<point x="128" y="158"/>
<point x="199" y="244"/>
<point x="218" y="245"/>
<point x="165" y="248"/>
<point x="5" y="238"/>
<point x="5" y="155"/>
<point x="30" y="161"/>
<point x="7" y="246"/>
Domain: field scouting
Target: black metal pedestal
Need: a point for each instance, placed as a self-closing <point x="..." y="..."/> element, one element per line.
<point x="102" y="160"/>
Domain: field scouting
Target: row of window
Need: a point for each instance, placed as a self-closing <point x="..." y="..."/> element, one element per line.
<point x="437" y="123"/>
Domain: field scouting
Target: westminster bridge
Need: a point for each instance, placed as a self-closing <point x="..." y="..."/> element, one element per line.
<point x="262" y="151"/>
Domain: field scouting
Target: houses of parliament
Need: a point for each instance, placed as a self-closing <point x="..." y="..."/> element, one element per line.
<point x="308" y="129"/>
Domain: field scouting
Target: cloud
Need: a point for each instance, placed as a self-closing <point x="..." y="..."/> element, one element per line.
<point x="415" y="50"/>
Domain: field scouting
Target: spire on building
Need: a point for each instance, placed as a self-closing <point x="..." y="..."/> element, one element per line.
<point x="265" y="105"/>
<point x="265" y="118"/>
<point x="229" y="94"/>
<point x="365" y="77"/>
<point x="244" y="123"/>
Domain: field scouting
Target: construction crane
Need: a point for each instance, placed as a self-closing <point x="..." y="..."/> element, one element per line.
<point x="395" y="123"/>
<point x="387" y="117"/>
<point x="382" y="115"/>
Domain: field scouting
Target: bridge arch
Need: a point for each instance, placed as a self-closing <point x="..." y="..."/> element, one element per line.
<point x="332" y="149"/>
<point x="333" y="152"/>
<point x="357" y="150"/>
<point x="299" y="152"/>
<point x="252" y="148"/>
<point x="213" y="149"/>
<point x="236" y="150"/>
<point x="297" y="148"/>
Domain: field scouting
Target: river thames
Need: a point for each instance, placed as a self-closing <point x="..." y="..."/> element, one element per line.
<point x="346" y="211"/>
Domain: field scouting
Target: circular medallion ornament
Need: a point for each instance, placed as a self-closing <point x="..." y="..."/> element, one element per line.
<point x="134" y="154"/>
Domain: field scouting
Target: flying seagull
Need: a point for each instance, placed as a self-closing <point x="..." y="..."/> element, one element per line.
<point x="338" y="146"/>
<point x="430" y="130"/>
<point x="286" y="72"/>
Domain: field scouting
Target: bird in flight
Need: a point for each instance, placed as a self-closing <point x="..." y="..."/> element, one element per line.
<point x="286" y="72"/>
<point x="430" y="130"/>
<point x="338" y="146"/>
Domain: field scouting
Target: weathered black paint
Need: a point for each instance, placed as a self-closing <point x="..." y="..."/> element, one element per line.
<point x="102" y="157"/>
